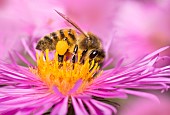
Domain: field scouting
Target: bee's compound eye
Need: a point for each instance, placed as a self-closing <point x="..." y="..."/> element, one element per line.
<point x="93" y="54"/>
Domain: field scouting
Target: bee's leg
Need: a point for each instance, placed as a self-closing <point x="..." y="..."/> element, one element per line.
<point x="73" y="58"/>
<point x="74" y="54"/>
<point x="83" y="55"/>
<point x="60" y="60"/>
<point x="44" y="54"/>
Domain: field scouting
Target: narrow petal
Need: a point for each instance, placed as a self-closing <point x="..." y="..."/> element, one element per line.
<point x="156" y="52"/>
<point x="33" y="56"/>
<point x="142" y="94"/>
<point x="82" y="106"/>
<point x="91" y="109"/>
<point x="61" y="108"/>
<point x="107" y="109"/>
<point x="77" y="108"/>
<point x="57" y="91"/>
<point x="76" y="86"/>
<point x="23" y="59"/>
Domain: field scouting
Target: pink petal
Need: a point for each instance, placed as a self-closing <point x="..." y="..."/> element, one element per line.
<point x="28" y="50"/>
<point x="76" y="86"/>
<point x="57" y="91"/>
<point x="77" y="108"/>
<point x="107" y="109"/>
<point x="141" y="94"/>
<point x="61" y="108"/>
<point x="91" y="108"/>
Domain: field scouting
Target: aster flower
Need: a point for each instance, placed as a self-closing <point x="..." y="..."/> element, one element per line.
<point x="69" y="88"/>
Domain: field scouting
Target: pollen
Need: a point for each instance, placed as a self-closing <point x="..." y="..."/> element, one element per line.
<point x="65" y="75"/>
<point x="62" y="47"/>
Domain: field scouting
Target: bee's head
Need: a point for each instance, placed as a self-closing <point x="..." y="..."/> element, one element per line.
<point x="93" y="44"/>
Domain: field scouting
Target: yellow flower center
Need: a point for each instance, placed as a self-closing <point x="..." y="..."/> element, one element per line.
<point x="65" y="75"/>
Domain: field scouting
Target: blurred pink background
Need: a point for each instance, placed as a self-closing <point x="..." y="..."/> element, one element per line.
<point x="127" y="28"/>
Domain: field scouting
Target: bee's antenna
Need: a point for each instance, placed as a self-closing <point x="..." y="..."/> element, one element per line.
<point x="72" y="23"/>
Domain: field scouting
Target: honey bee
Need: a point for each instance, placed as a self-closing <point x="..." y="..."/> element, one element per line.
<point x="70" y="41"/>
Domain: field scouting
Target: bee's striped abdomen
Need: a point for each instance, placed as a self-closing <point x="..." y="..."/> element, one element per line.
<point x="50" y="40"/>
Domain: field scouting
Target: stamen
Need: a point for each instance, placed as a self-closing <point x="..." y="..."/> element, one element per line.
<point x="64" y="77"/>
